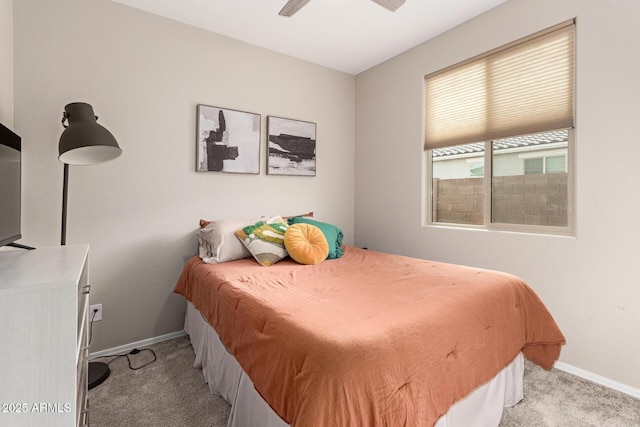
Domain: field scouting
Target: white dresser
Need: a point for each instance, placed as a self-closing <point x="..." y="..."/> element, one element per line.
<point x="44" y="297"/>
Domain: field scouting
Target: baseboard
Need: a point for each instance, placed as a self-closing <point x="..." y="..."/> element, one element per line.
<point x="138" y="344"/>
<point x="631" y="391"/>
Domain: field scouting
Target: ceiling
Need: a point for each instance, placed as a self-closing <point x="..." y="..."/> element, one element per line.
<point x="346" y="35"/>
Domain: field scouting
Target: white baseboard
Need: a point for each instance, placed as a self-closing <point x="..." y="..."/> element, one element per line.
<point x="631" y="391"/>
<point x="123" y="349"/>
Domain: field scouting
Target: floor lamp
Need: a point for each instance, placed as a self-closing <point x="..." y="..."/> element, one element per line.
<point x="84" y="142"/>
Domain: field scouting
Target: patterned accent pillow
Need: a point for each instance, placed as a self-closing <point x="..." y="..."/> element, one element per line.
<point x="265" y="240"/>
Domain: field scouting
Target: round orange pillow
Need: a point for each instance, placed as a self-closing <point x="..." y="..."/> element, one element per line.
<point x="306" y="244"/>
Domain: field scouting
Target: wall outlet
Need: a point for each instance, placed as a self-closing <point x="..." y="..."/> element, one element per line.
<point x="97" y="309"/>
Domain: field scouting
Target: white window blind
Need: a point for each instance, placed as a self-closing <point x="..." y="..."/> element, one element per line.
<point x="521" y="88"/>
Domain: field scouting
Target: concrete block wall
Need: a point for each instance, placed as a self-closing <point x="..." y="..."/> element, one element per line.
<point x="459" y="201"/>
<point x="535" y="199"/>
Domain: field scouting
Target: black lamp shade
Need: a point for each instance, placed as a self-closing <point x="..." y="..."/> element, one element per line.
<point x="84" y="141"/>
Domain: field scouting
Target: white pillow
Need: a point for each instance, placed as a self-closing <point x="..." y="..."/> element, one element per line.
<point x="218" y="242"/>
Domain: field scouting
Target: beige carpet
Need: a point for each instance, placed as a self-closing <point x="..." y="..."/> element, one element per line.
<point x="170" y="392"/>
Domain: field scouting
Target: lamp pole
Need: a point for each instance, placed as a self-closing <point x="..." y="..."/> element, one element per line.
<point x="65" y="190"/>
<point x="84" y="142"/>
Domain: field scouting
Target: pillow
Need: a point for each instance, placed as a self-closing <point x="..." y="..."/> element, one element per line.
<point x="332" y="233"/>
<point x="218" y="242"/>
<point x="265" y="240"/>
<point x="306" y="244"/>
<point x="309" y="214"/>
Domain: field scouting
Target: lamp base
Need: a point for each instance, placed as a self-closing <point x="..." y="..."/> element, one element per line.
<point x="98" y="372"/>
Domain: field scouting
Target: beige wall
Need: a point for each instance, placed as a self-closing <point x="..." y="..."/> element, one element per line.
<point x="6" y="62"/>
<point x="590" y="282"/>
<point x="144" y="76"/>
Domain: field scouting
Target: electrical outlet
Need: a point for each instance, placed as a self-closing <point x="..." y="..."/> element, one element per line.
<point x="97" y="309"/>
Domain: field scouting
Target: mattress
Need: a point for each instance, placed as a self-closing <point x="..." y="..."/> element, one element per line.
<point x="370" y="338"/>
<point x="225" y="378"/>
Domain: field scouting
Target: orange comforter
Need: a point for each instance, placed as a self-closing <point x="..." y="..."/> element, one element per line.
<point x="369" y="339"/>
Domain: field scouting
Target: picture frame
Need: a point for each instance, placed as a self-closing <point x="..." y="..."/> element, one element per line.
<point x="227" y="140"/>
<point x="291" y="147"/>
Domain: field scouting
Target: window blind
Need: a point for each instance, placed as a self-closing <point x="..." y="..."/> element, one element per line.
<point x="524" y="87"/>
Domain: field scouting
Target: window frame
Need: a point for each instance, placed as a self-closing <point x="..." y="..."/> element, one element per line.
<point x="488" y="224"/>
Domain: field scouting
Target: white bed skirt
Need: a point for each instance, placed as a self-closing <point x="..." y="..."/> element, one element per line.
<point x="225" y="377"/>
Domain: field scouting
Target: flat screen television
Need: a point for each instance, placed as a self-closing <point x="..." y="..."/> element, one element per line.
<point x="10" y="177"/>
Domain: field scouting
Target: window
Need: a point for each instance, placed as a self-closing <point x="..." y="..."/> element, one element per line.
<point x="477" y="168"/>
<point x="555" y="164"/>
<point x="547" y="164"/>
<point x="458" y="190"/>
<point x="533" y="166"/>
<point x="499" y="136"/>
<point x="524" y="189"/>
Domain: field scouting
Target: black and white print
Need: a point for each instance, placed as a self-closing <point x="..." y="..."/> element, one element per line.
<point x="228" y="140"/>
<point x="291" y="147"/>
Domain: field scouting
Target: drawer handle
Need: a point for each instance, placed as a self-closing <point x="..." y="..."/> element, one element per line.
<point x="88" y="289"/>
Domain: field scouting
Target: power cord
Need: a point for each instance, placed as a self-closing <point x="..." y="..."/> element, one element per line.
<point x="132" y="352"/>
<point x="118" y="356"/>
<point x="95" y="311"/>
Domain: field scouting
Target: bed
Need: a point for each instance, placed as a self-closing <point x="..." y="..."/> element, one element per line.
<point x="365" y="339"/>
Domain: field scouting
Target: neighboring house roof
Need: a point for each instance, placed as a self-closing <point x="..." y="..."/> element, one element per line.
<point x="536" y="139"/>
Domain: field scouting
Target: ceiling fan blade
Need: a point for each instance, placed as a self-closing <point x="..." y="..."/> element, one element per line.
<point x="392" y="5"/>
<point x="292" y="7"/>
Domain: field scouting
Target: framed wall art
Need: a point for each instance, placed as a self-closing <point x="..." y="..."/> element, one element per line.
<point x="227" y="140"/>
<point x="291" y="147"/>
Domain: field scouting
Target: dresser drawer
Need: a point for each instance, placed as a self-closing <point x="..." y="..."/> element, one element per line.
<point x="83" y="416"/>
<point x="82" y="395"/>
<point x="83" y="299"/>
<point x="82" y="365"/>
<point x="82" y="361"/>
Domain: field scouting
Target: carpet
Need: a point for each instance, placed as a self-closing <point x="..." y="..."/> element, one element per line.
<point x="171" y="392"/>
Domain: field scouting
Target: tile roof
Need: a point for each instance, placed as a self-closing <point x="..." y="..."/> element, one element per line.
<point x="536" y="139"/>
